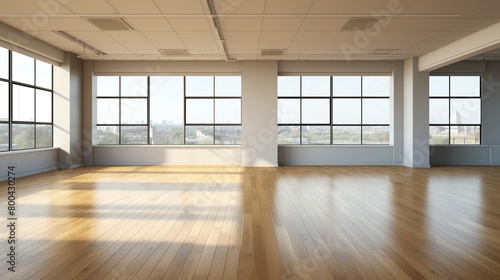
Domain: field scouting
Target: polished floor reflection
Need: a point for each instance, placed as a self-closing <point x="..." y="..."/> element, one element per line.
<point x="158" y="222"/>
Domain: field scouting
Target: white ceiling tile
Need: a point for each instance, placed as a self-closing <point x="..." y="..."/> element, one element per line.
<point x="240" y="7"/>
<point x="243" y="36"/>
<point x="190" y="24"/>
<point x="92" y="36"/>
<point x="66" y="24"/>
<point x="49" y="36"/>
<point x="88" y="6"/>
<point x="385" y="36"/>
<point x="242" y="45"/>
<point x="244" y="24"/>
<point x="32" y="7"/>
<point x="283" y="36"/>
<point x="274" y="45"/>
<point x="472" y="24"/>
<point x="145" y="52"/>
<point x="429" y="45"/>
<point x="134" y="7"/>
<point x="447" y="36"/>
<point x="108" y="45"/>
<point x="204" y="52"/>
<point x="180" y="7"/>
<point x="399" y="24"/>
<point x="281" y="24"/>
<point x="129" y="36"/>
<point x="244" y="51"/>
<point x="323" y="24"/>
<point x="288" y="6"/>
<point x="390" y="45"/>
<point x="196" y="36"/>
<point x="138" y="45"/>
<point x="335" y="36"/>
<point x="169" y="45"/>
<point x="150" y="24"/>
<point x="159" y="36"/>
<point x="118" y="51"/>
<point x="201" y="45"/>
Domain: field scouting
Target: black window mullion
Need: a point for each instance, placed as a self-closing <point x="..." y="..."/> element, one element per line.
<point x="119" y="110"/>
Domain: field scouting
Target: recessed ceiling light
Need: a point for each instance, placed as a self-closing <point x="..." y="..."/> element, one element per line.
<point x="110" y="24"/>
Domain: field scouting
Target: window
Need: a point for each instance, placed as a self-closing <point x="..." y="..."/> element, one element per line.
<point x="455" y="110"/>
<point x="25" y="102"/>
<point x="169" y="110"/>
<point x="324" y="110"/>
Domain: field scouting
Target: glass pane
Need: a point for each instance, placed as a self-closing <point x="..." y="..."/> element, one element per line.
<point x="288" y="111"/>
<point x="107" y="135"/>
<point x="228" y="111"/>
<point x="376" y="135"/>
<point x="377" y="86"/>
<point x="465" y="86"/>
<point x="108" y="111"/>
<point x="439" y="86"/>
<point x="23" y="104"/>
<point x="439" y="111"/>
<point x="439" y="135"/>
<point x="23" y="68"/>
<point x="347" y="111"/>
<point x="346" y="135"/>
<point x="23" y="136"/>
<point x="43" y="136"/>
<point x="108" y="86"/>
<point x="228" y="135"/>
<point x="167" y="110"/>
<point x="4" y="137"/>
<point x="4" y="101"/>
<point x="167" y="134"/>
<point x="315" y="86"/>
<point x="465" y="111"/>
<point x="227" y="86"/>
<point x="199" y="111"/>
<point x="134" y="86"/>
<point x="288" y="86"/>
<point x="465" y="135"/>
<point x="134" y="135"/>
<point x="316" y="111"/>
<point x="289" y="135"/>
<point x="43" y="106"/>
<point x="199" y="135"/>
<point x="376" y="111"/>
<point x="199" y="86"/>
<point x="134" y="111"/>
<point x="347" y="86"/>
<point x="43" y="74"/>
<point x="316" y="135"/>
<point x="4" y="63"/>
<point x="167" y="100"/>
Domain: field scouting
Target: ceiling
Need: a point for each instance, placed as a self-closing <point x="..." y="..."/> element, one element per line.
<point x="241" y="30"/>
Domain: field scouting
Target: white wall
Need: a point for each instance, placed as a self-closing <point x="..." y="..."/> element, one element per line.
<point x="167" y="155"/>
<point x="489" y="152"/>
<point x="28" y="162"/>
<point x="335" y="155"/>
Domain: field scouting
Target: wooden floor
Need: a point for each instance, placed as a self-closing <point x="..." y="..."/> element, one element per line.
<point x="256" y="223"/>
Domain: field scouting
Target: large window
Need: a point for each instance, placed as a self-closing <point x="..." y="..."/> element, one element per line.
<point x="25" y="102"/>
<point x="455" y="110"/>
<point x="324" y="110"/>
<point x="169" y="110"/>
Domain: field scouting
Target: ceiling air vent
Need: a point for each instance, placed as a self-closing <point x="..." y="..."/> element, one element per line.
<point x="362" y="23"/>
<point x="271" y="52"/>
<point x="110" y="24"/>
<point x="174" y="52"/>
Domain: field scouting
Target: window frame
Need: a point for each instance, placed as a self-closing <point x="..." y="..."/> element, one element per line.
<point x="185" y="125"/>
<point x="331" y="123"/>
<point x="449" y="98"/>
<point x="11" y="123"/>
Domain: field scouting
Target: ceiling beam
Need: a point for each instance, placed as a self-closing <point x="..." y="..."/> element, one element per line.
<point x="479" y="42"/>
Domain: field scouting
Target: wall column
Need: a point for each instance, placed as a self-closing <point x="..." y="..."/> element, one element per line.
<point x="259" y="84"/>
<point x="416" y="115"/>
<point x="68" y="112"/>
